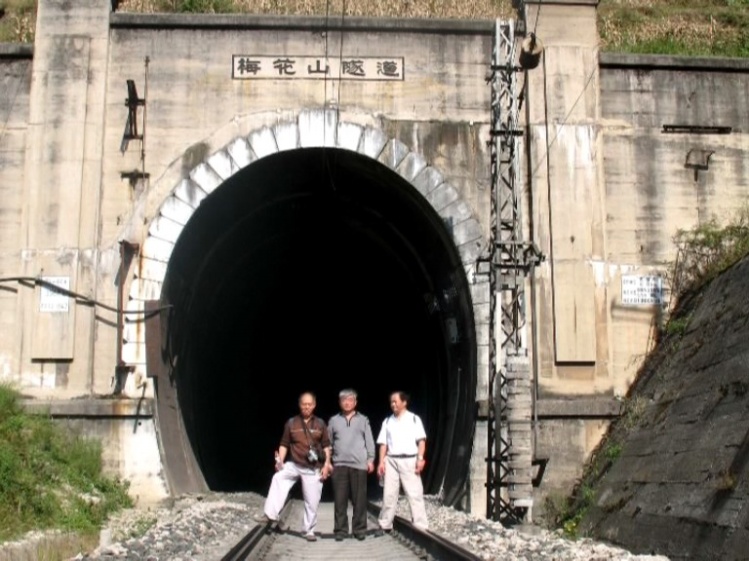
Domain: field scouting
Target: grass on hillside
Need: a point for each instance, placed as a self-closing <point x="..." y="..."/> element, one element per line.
<point x="674" y="27"/>
<point x="49" y="477"/>
<point x="451" y="9"/>
<point x="707" y="250"/>
<point x="17" y="21"/>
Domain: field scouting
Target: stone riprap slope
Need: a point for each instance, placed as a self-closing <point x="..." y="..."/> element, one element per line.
<point x="680" y="483"/>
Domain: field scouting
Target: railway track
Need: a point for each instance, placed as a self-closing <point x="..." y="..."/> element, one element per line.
<point x="285" y="541"/>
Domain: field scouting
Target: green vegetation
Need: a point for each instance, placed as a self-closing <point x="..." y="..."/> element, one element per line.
<point x="478" y="9"/>
<point x="50" y="478"/>
<point x="613" y="451"/>
<point x="674" y="27"/>
<point x="707" y="250"/>
<point x="702" y="253"/>
<point x="677" y="325"/>
<point x="17" y="20"/>
<point x="566" y="513"/>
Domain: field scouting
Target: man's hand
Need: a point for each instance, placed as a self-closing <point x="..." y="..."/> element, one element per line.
<point x="370" y="466"/>
<point x="326" y="471"/>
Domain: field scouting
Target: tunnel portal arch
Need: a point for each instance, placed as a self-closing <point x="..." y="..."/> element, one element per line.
<point x="350" y="253"/>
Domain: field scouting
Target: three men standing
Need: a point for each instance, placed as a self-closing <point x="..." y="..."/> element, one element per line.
<point x="345" y="449"/>
<point x="353" y="459"/>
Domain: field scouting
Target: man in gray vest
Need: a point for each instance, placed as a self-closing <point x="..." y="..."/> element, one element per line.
<point x="353" y="458"/>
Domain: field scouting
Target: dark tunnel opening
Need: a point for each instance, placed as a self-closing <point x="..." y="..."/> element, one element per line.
<point x="316" y="270"/>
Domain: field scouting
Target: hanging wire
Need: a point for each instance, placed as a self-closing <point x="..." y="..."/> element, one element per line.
<point x="340" y="59"/>
<point x="146" y="61"/>
<point x="538" y="16"/>
<point x="81" y="298"/>
<point x="550" y="143"/>
<point x="339" y="79"/>
<point x="561" y="125"/>
<point x="325" y="75"/>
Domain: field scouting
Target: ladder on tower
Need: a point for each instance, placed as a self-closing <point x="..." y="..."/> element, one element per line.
<point x="509" y="263"/>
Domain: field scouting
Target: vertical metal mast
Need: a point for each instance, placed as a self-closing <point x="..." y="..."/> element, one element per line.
<point x="511" y="259"/>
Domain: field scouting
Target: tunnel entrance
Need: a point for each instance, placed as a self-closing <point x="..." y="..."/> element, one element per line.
<point x="317" y="269"/>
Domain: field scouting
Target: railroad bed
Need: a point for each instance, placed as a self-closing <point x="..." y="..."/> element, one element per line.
<point x="405" y="543"/>
<point x="205" y="527"/>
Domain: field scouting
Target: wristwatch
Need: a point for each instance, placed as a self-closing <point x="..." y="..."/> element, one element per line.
<point x="420" y="458"/>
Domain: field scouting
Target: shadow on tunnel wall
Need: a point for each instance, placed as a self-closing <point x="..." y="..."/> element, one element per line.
<point x="317" y="270"/>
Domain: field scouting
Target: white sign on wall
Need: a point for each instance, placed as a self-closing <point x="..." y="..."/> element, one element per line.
<point x="52" y="301"/>
<point x="642" y="290"/>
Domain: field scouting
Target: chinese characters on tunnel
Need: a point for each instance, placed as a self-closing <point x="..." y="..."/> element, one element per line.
<point x="248" y="67"/>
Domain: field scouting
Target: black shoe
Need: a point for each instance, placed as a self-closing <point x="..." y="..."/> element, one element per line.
<point x="360" y="537"/>
<point x="379" y="533"/>
<point x="339" y="537"/>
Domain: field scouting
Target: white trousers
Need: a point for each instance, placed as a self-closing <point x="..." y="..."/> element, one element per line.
<point x="402" y="472"/>
<point x="282" y="483"/>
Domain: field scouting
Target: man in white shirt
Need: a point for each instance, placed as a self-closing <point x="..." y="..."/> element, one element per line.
<point x="402" y="443"/>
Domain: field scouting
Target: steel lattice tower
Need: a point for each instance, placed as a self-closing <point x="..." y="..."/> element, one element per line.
<point x="511" y="259"/>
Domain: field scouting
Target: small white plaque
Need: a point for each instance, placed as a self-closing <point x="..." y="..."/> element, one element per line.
<point x="52" y="301"/>
<point x="642" y="290"/>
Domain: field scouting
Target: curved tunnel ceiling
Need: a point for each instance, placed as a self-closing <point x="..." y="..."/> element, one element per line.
<point x="318" y="269"/>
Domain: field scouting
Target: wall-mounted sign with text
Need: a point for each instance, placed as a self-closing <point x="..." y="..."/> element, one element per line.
<point x="52" y="301"/>
<point x="263" y="67"/>
<point x="645" y="290"/>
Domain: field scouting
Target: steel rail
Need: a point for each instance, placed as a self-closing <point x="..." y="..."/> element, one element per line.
<point x="432" y="545"/>
<point x="247" y="544"/>
<point x="257" y="537"/>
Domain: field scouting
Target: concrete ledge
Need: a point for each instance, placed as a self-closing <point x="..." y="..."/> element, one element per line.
<point x="16" y="50"/>
<point x="668" y="62"/>
<point x="571" y="408"/>
<point x="90" y="407"/>
<point x="306" y="23"/>
<point x="578" y="408"/>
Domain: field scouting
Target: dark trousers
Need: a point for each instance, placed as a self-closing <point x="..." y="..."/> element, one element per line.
<point x="350" y="483"/>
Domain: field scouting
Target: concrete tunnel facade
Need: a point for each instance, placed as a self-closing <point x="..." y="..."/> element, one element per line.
<point x="313" y="269"/>
<point x="77" y="198"/>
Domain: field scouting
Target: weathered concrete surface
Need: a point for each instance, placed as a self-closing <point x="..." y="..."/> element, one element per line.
<point x="651" y="191"/>
<point x="15" y="82"/>
<point x="680" y="486"/>
<point x="605" y="188"/>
